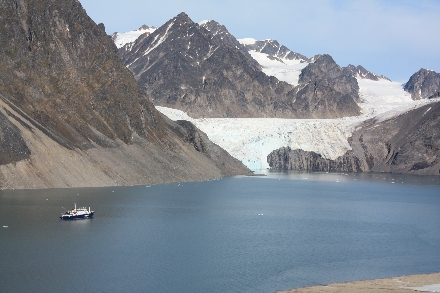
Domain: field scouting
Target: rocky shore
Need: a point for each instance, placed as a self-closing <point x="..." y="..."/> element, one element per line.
<point x="404" y="284"/>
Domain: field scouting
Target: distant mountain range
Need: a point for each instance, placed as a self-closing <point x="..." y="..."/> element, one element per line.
<point x="184" y="65"/>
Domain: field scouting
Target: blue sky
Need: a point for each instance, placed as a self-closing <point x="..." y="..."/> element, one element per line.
<point x="393" y="38"/>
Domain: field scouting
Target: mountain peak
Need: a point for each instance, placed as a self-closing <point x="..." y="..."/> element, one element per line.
<point x="423" y="84"/>
<point x="183" y="17"/>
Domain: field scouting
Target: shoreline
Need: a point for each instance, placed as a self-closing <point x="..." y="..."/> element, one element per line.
<point x="402" y="284"/>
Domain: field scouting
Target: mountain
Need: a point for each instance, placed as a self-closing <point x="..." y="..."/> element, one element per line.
<point x="407" y="143"/>
<point x="325" y="69"/>
<point x="424" y="84"/>
<point x="71" y="114"/>
<point x="361" y="72"/>
<point x="184" y="66"/>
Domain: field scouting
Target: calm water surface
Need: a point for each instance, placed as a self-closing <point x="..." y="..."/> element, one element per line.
<point x="242" y="234"/>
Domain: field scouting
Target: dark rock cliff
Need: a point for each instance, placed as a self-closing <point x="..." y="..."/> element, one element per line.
<point x="298" y="160"/>
<point x="62" y="84"/>
<point x="325" y="88"/>
<point x="424" y="84"/>
<point x="184" y="66"/>
<point x="324" y="68"/>
<point x="409" y="143"/>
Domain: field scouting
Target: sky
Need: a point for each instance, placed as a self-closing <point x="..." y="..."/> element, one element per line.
<point x="394" y="38"/>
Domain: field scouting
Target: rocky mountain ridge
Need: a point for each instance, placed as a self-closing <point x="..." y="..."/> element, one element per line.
<point x="71" y="114"/>
<point x="184" y="66"/>
<point x="281" y="53"/>
<point x="361" y="72"/>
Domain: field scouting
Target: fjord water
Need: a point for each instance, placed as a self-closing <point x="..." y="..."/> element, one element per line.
<point x="241" y="234"/>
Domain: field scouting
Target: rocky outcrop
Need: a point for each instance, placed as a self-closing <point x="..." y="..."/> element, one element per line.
<point x="325" y="69"/>
<point x="184" y="66"/>
<point x="71" y="114"/>
<point x="409" y="143"/>
<point x="361" y="72"/>
<point x="299" y="160"/>
<point x="324" y="87"/>
<point x="424" y="84"/>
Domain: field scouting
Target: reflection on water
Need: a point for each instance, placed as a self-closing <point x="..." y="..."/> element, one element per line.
<point x="242" y="234"/>
<point x="369" y="177"/>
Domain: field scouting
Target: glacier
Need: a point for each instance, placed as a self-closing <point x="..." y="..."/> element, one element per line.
<point x="250" y="140"/>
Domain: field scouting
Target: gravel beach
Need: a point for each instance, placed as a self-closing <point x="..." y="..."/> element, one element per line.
<point x="404" y="284"/>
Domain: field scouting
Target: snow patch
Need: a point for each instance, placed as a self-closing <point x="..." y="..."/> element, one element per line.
<point x="283" y="69"/>
<point x="131" y="36"/>
<point x="427" y="111"/>
<point x="203" y="22"/>
<point x="247" y="41"/>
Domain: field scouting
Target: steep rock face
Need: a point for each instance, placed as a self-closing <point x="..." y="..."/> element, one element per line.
<point x="63" y="85"/>
<point x="275" y="50"/>
<point x="361" y="72"/>
<point x="423" y="84"/>
<point x="184" y="66"/>
<point x="409" y="143"/>
<point x="324" y="87"/>
<point x="62" y="70"/>
<point x="325" y="68"/>
<point x="299" y="160"/>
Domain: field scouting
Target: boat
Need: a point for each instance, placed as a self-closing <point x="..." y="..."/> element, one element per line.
<point x="77" y="213"/>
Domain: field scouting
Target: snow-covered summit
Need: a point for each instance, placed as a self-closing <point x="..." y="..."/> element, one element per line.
<point x="276" y="60"/>
<point x="120" y="39"/>
<point x="273" y="49"/>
